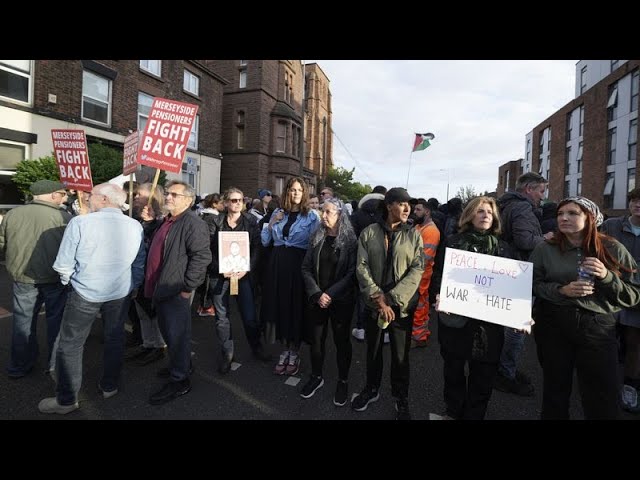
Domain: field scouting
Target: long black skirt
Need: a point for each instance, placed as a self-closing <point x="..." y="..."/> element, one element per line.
<point x="283" y="296"/>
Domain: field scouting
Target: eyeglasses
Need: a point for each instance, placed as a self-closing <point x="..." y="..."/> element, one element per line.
<point x="235" y="200"/>
<point x="324" y="193"/>
<point x="174" y="194"/>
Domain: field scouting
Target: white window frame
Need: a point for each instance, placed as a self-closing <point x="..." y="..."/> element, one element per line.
<point x="12" y="172"/>
<point x="613" y="99"/>
<point x="243" y="79"/>
<point x="109" y="98"/>
<point x="191" y="83"/>
<point x="154" y="67"/>
<point x="142" y="115"/>
<point x="12" y="68"/>
<point x="192" y="144"/>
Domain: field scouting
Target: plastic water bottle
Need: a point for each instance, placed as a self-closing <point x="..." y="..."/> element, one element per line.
<point x="583" y="274"/>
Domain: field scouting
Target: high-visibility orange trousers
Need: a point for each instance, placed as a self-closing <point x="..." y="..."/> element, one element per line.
<point x="421" y="330"/>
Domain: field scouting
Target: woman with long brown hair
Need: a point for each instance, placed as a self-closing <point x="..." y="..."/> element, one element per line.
<point x="581" y="277"/>
<point x="283" y="295"/>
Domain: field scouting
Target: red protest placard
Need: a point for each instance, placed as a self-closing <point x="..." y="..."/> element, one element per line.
<point x="129" y="164"/>
<point x="164" y="141"/>
<point x="72" y="157"/>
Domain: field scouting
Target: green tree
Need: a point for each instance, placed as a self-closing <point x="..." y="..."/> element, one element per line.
<point x="29" y="171"/>
<point x="106" y="162"/>
<point x="341" y="181"/>
<point x="466" y="193"/>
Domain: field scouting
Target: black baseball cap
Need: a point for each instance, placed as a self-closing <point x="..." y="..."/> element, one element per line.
<point x="396" y="194"/>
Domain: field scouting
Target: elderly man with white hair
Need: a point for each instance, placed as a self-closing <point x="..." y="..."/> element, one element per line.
<point x="102" y="257"/>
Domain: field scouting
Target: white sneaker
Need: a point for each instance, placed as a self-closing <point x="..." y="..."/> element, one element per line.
<point x="630" y="399"/>
<point x="386" y="337"/>
<point x="435" y="416"/>
<point x="51" y="405"/>
<point x="358" y="333"/>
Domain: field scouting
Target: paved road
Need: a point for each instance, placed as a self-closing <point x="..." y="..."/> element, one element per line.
<point x="250" y="392"/>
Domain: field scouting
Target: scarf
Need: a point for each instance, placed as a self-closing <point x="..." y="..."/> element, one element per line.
<point x="479" y="242"/>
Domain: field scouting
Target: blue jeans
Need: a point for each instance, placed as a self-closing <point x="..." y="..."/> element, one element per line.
<point x="513" y="345"/>
<point x="27" y="301"/>
<point x="174" y="320"/>
<point x="246" y="304"/>
<point x="76" y="326"/>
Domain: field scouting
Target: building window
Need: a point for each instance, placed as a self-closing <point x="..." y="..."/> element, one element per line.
<point x="579" y="192"/>
<point x="243" y="74"/>
<point x="579" y="159"/>
<point x="567" y="160"/>
<point x="152" y="66"/>
<point x="541" y="144"/>
<point x="581" y="129"/>
<point x="15" y="80"/>
<point x="635" y="79"/>
<point x="631" y="179"/>
<point x="281" y="137"/>
<point x="192" y="144"/>
<point x="549" y="140"/>
<point x="279" y="185"/>
<point x="609" y="190"/>
<point x="240" y="129"/>
<point x="506" y="180"/>
<point x="569" y="126"/>
<point x="296" y="141"/>
<point x="614" y="65"/>
<point x="287" y="97"/>
<point x="96" y="98"/>
<point x="567" y="188"/>
<point x="528" y="150"/>
<point x="583" y="79"/>
<point x="612" y="104"/>
<point x="189" y="171"/>
<point x="11" y="153"/>
<point x="191" y="83"/>
<point x="145" y="102"/>
<point x="611" y="146"/>
<point x="633" y="140"/>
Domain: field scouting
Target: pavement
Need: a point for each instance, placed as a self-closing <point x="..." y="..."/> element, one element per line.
<point x="250" y="391"/>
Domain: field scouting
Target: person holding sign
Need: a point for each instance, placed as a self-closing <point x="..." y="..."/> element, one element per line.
<point x="389" y="268"/>
<point x="234" y="222"/>
<point x="464" y="340"/>
<point x="328" y="271"/>
<point x="575" y="324"/>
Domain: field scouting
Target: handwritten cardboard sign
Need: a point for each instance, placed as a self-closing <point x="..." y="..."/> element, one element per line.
<point x="493" y="289"/>
<point x="166" y="134"/>
<point x="129" y="164"/>
<point x="72" y="157"/>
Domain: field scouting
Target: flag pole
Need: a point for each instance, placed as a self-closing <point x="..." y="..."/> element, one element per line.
<point x="409" y="171"/>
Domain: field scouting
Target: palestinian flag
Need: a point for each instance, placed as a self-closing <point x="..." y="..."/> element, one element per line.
<point x="423" y="140"/>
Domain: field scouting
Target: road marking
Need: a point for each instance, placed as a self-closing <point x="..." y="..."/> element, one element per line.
<point x="292" y="381"/>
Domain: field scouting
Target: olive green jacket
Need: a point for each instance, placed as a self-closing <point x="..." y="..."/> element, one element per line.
<point x="407" y="266"/>
<point x="30" y="238"/>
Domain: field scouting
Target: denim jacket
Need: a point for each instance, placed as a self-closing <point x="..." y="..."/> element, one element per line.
<point x="299" y="233"/>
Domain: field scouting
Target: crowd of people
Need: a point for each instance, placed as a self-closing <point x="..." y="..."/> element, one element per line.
<point x="317" y="263"/>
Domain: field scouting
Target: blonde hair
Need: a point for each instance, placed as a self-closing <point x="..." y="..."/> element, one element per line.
<point x="227" y="194"/>
<point x="466" y="217"/>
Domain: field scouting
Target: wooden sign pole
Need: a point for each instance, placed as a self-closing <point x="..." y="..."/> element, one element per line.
<point x="153" y="187"/>
<point x="131" y="195"/>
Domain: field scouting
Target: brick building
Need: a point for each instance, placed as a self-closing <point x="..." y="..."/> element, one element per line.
<point x="108" y="99"/>
<point x="589" y="146"/>
<point x="508" y="173"/>
<point x="262" y="124"/>
<point x="317" y="124"/>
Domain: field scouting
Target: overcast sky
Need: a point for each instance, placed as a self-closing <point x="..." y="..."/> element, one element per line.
<point x="479" y="112"/>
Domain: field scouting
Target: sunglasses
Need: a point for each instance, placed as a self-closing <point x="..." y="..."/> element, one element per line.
<point x="324" y="193"/>
<point x="235" y="200"/>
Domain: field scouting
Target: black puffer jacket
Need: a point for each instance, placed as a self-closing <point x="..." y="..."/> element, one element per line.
<point x="520" y="223"/>
<point x="368" y="212"/>
<point x="186" y="257"/>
